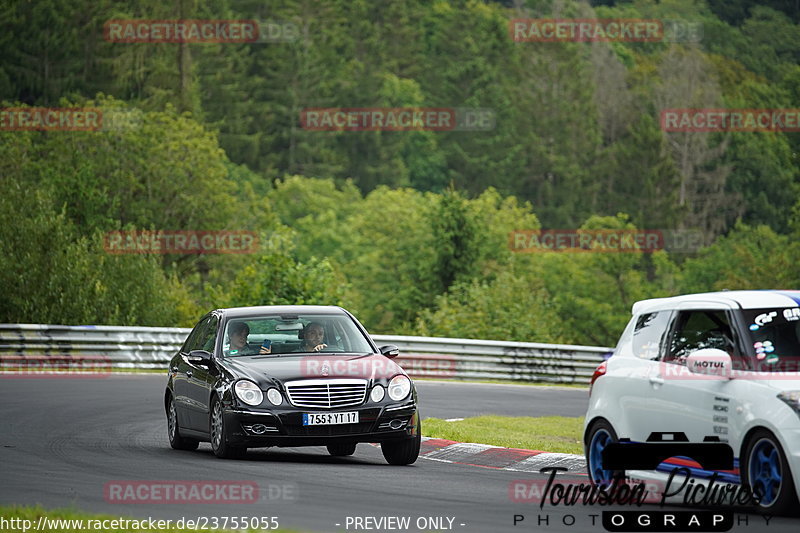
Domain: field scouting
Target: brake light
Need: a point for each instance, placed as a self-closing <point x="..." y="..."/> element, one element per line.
<point x="599" y="371"/>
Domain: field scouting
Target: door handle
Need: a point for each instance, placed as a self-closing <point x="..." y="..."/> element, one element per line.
<point x="655" y="380"/>
<point x="188" y="373"/>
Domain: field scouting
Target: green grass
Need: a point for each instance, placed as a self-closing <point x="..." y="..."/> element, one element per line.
<point x="33" y="513"/>
<point x="559" y="434"/>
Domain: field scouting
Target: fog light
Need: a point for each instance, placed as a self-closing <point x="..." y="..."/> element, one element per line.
<point x="377" y="393"/>
<point x="274" y="397"/>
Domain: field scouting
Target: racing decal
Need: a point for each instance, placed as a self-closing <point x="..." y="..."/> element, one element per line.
<point x="763" y="349"/>
<point x="765" y="318"/>
<point x="720" y="421"/>
<point x="791" y="314"/>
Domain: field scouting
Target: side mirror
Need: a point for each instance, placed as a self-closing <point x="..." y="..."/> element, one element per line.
<point x="390" y="350"/>
<point x="199" y="357"/>
<point x="710" y="361"/>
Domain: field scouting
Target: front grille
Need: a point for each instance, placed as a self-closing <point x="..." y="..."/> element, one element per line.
<point x="327" y="393"/>
<point x="328" y="431"/>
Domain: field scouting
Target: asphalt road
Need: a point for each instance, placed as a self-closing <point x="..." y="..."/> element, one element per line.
<point x="64" y="441"/>
<point x="442" y="399"/>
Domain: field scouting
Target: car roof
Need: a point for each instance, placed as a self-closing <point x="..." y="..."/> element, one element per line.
<point x="742" y="299"/>
<point x="240" y="312"/>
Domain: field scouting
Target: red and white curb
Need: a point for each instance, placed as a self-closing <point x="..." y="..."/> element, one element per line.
<point x="514" y="459"/>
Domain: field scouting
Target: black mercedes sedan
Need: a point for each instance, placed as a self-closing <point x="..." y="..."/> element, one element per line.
<point x="303" y="375"/>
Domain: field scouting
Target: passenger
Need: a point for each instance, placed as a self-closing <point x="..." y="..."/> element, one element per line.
<point x="237" y="333"/>
<point x="312" y="333"/>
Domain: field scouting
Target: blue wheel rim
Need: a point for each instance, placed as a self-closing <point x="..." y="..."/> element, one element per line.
<point x="600" y="440"/>
<point x="764" y="471"/>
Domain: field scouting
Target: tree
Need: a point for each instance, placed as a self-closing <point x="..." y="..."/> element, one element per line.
<point x="317" y="209"/>
<point x="276" y="277"/>
<point x="687" y="81"/>
<point x="592" y="292"/>
<point x="749" y="257"/>
<point x="50" y="274"/>
<point x="455" y="236"/>
<point x="514" y="306"/>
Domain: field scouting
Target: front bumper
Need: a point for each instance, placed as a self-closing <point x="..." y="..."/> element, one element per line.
<point x="790" y="440"/>
<point x="283" y="426"/>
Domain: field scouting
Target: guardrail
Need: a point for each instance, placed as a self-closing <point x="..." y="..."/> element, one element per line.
<point x="435" y="357"/>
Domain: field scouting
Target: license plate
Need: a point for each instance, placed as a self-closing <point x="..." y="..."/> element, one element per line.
<point x="323" y="419"/>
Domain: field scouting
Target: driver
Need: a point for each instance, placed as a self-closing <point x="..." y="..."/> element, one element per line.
<point x="312" y="338"/>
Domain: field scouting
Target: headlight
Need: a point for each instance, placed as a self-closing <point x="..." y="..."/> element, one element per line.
<point x="274" y="397"/>
<point x="399" y="387"/>
<point x="377" y="393"/>
<point x="792" y="399"/>
<point x="248" y="392"/>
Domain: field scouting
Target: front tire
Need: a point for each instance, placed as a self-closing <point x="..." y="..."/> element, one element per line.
<point x="174" y="431"/>
<point x="600" y="435"/>
<point x="766" y="471"/>
<point x="405" y="451"/>
<point x="219" y="435"/>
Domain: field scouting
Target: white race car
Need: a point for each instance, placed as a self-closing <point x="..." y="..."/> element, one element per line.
<point x="718" y="368"/>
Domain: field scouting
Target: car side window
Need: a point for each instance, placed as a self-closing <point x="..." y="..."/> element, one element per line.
<point x="208" y="338"/>
<point x="648" y="334"/>
<point x="193" y="341"/>
<point x="699" y="329"/>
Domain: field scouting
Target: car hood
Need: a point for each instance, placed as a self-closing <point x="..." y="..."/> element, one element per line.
<point x="265" y="368"/>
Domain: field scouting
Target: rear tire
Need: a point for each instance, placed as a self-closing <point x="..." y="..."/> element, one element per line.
<point x="600" y="435"/>
<point x="174" y="431"/>
<point x="766" y="471"/>
<point x="219" y="435"/>
<point x="342" y="449"/>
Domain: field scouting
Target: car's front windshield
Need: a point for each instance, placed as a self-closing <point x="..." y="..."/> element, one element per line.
<point x="775" y="338"/>
<point x="288" y="334"/>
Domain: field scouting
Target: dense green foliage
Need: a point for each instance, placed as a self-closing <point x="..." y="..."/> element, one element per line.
<point x="409" y="230"/>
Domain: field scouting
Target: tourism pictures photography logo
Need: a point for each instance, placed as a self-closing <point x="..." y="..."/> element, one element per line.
<point x="682" y="487"/>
